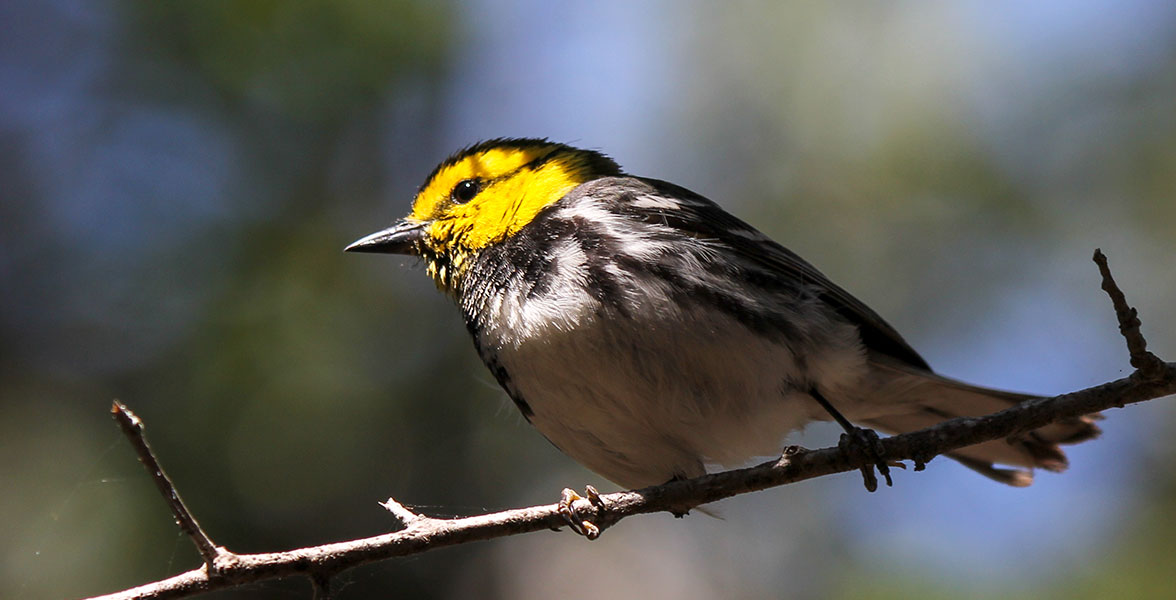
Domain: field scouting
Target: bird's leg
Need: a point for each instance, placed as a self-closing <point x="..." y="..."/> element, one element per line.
<point x="567" y="509"/>
<point x="860" y="440"/>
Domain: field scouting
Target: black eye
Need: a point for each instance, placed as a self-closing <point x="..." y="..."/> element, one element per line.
<point x="465" y="191"/>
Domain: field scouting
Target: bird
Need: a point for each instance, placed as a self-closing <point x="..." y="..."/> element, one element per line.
<point x="652" y="336"/>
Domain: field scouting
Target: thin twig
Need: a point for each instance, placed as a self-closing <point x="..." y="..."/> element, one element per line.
<point x="1149" y="365"/>
<point x="132" y="426"/>
<point x="406" y="517"/>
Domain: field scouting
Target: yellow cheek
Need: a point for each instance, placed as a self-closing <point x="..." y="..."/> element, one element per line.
<point x="508" y="206"/>
<point x="491" y="164"/>
<point x="500" y="210"/>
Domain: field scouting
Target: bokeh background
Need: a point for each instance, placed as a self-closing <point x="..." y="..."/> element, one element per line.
<point x="177" y="181"/>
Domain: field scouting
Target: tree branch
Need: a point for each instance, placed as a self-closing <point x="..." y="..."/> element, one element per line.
<point x="132" y="427"/>
<point x="1152" y="379"/>
<point x="1148" y="364"/>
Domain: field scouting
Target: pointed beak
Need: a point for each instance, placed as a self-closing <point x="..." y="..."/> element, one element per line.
<point x="401" y="238"/>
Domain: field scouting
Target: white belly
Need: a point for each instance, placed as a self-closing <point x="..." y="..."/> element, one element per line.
<point x="644" y="401"/>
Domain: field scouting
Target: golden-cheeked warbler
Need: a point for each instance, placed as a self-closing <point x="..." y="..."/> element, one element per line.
<point x="648" y="333"/>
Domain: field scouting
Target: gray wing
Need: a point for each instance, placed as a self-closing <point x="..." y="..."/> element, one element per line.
<point x="707" y="220"/>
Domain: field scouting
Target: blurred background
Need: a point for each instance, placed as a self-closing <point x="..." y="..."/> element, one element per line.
<point x="178" y="180"/>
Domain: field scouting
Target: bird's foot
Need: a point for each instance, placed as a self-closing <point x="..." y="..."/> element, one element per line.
<point x="568" y="510"/>
<point x="866" y="441"/>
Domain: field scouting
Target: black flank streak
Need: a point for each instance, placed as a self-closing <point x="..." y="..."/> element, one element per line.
<point x="503" y="378"/>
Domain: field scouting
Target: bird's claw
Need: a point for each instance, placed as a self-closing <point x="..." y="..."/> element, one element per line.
<point x="867" y="441"/>
<point x="568" y="510"/>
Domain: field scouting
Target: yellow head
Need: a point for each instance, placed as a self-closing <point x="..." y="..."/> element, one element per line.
<point x="481" y="196"/>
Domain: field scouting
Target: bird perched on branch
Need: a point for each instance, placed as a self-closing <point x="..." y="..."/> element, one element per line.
<point x="648" y="333"/>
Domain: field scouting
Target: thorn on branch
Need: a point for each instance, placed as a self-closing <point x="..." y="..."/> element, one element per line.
<point x="1147" y="364"/>
<point x="132" y="426"/>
